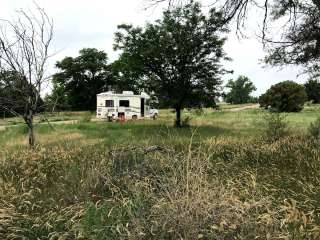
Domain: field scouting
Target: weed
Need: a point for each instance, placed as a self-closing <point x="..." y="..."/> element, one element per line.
<point x="314" y="129"/>
<point x="186" y="121"/>
<point x="86" y="117"/>
<point x="276" y="126"/>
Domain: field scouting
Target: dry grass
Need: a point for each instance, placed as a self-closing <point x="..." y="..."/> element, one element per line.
<point x="221" y="188"/>
<point x="214" y="180"/>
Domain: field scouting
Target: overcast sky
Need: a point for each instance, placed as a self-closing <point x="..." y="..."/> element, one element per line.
<point x="82" y="23"/>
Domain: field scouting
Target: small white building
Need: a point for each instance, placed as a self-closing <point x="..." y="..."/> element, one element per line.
<point x="125" y="105"/>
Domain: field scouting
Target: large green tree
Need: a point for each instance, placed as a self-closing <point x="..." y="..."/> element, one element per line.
<point x="240" y="90"/>
<point x="178" y="57"/>
<point x="80" y="79"/>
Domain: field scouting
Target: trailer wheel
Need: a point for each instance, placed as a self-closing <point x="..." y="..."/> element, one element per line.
<point x="155" y="116"/>
<point x="134" y="117"/>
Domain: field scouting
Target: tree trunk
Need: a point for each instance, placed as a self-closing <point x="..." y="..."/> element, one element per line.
<point x="29" y="121"/>
<point x="31" y="135"/>
<point x="178" y="118"/>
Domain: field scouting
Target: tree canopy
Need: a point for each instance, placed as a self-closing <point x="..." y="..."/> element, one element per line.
<point x="240" y="90"/>
<point x="289" y="28"/>
<point x="126" y="76"/>
<point x="313" y="90"/>
<point x="300" y="38"/>
<point x="178" y="57"/>
<point x="81" y="78"/>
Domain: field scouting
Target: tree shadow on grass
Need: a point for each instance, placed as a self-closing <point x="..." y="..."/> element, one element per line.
<point x="150" y="133"/>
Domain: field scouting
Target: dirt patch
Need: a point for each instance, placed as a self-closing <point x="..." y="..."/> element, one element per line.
<point x="64" y="122"/>
<point x="254" y="106"/>
<point x="2" y="128"/>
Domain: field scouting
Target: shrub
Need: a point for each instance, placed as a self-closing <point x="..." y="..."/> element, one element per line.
<point x="276" y="126"/>
<point x="313" y="90"/>
<point x="309" y="103"/>
<point x="86" y="117"/>
<point x="186" y="121"/>
<point x="314" y="129"/>
<point x="286" y="96"/>
<point x="199" y="111"/>
<point x="42" y="119"/>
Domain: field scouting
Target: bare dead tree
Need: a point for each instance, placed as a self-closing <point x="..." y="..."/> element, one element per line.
<point x="24" y="51"/>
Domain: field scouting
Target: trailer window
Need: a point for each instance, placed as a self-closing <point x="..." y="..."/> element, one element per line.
<point x="124" y="103"/>
<point x="109" y="103"/>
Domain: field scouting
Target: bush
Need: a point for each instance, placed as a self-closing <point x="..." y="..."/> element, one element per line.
<point x="86" y="117"/>
<point x="186" y="122"/>
<point x="276" y="126"/>
<point x="199" y="111"/>
<point x="309" y="103"/>
<point x="286" y="96"/>
<point x="314" y="129"/>
<point x="313" y="90"/>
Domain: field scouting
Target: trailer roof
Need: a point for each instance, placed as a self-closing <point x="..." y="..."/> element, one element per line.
<point x="124" y="94"/>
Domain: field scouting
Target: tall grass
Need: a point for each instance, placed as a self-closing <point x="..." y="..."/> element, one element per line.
<point x="217" y="179"/>
<point x="221" y="188"/>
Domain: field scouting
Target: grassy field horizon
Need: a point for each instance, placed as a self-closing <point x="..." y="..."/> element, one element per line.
<point x="219" y="178"/>
<point x="207" y="123"/>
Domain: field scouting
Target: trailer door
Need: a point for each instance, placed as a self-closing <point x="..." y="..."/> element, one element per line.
<point x="142" y="107"/>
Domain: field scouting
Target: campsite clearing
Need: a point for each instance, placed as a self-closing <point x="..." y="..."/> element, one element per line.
<point x="217" y="177"/>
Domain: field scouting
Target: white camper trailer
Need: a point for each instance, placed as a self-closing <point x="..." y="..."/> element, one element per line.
<point x="125" y="105"/>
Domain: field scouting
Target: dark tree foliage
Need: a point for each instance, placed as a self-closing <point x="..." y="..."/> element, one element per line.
<point x="57" y="100"/>
<point x="297" y="39"/>
<point x="300" y="43"/>
<point x="126" y="76"/>
<point x="287" y="96"/>
<point x="178" y="57"/>
<point x="14" y="90"/>
<point x="313" y="90"/>
<point x="240" y="90"/>
<point x="80" y="79"/>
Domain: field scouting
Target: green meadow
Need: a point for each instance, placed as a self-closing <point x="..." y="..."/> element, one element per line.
<point x="217" y="178"/>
